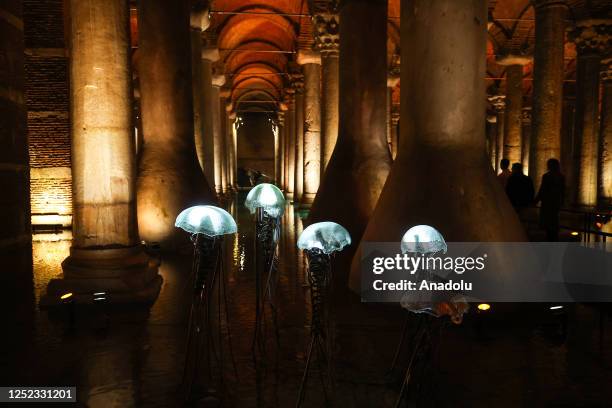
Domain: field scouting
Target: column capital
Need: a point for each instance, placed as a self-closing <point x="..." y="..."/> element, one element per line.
<point x="498" y="102"/>
<point x="326" y="32"/>
<point x="218" y="80"/>
<point x="395" y="117"/>
<point x="526" y="114"/>
<point x="231" y="115"/>
<point x="393" y="78"/>
<point x="606" y="70"/>
<point x="199" y="19"/>
<point x="308" y="57"/>
<point x="592" y="36"/>
<point x="491" y="118"/>
<point x="297" y="82"/>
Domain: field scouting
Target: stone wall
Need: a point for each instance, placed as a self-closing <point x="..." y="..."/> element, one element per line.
<point x="48" y="104"/>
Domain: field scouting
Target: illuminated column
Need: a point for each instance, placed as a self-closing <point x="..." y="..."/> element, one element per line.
<point x="605" y="136"/>
<point x="395" y="118"/>
<point x="526" y="138"/>
<point x="290" y="145"/>
<point x="442" y="176"/>
<point x="591" y="38"/>
<point x="225" y="105"/>
<point x="548" y="68"/>
<point x="327" y="39"/>
<point x="360" y="164"/>
<point x="499" y="105"/>
<point x="491" y="137"/>
<point x="215" y="106"/>
<point x="207" y="153"/>
<point x="298" y="85"/>
<point x="231" y="117"/>
<point x="106" y="254"/>
<point x="392" y="81"/>
<point x="15" y="239"/>
<point x="311" y="65"/>
<point x="513" y="123"/>
<point x="170" y="178"/>
<point x="278" y="143"/>
<point x="199" y="21"/>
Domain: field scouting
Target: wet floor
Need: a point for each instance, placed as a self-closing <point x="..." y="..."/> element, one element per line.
<point x="132" y="357"/>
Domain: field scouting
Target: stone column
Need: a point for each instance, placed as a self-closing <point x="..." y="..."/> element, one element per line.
<point x="199" y="22"/>
<point x="514" y="107"/>
<point x="298" y="85"/>
<point x="217" y="82"/>
<point x="106" y="254"/>
<point x="604" y="180"/>
<point x="207" y="149"/>
<point x="232" y="170"/>
<point x="225" y="105"/>
<point x="591" y="38"/>
<point x="499" y="105"/>
<point x="290" y="145"/>
<point x="491" y="129"/>
<point x="548" y="74"/>
<point x="170" y="178"/>
<point x="311" y="66"/>
<point x="526" y="138"/>
<point x="392" y="81"/>
<point x="395" y="117"/>
<point x="326" y="30"/>
<point x="360" y="164"/>
<point x="15" y="234"/>
<point x="441" y="176"/>
<point x="278" y="142"/>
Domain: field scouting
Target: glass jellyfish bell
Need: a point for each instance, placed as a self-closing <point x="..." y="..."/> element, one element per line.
<point x="268" y="197"/>
<point x="327" y="236"/>
<point x="206" y="219"/>
<point x="423" y="239"/>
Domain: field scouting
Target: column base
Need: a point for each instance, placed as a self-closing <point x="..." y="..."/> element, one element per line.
<point x="125" y="275"/>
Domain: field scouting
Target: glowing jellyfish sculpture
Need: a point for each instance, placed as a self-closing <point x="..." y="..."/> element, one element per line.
<point x="207" y="225"/>
<point x="319" y="241"/>
<point x="426" y="242"/>
<point x="267" y="202"/>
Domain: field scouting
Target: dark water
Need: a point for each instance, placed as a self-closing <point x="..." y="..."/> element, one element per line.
<point x="132" y="357"/>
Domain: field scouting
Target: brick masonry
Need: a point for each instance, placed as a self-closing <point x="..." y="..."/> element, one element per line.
<point x="48" y="105"/>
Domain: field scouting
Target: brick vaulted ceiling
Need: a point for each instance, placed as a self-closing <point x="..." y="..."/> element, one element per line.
<point x="258" y="41"/>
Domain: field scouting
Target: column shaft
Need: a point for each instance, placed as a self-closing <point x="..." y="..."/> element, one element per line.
<point x="360" y="164"/>
<point x="198" y="96"/>
<point x="312" y="131"/>
<point x="526" y="138"/>
<point x="290" y="153"/>
<point x="207" y="152"/>
<point x="103" y="155"/>
<point x="15" y="238"/>
<point x="299" y="146"/>
<point x="170" y="178"/>
<point x="547" y="85"/>
<point x="223" y="141"/>
<point x="586" y="129"/>
<point x="330" y="104"/>
<point x="215" y="107"/>
<point x="605" y="138"/>
<point x="514" y="110"/>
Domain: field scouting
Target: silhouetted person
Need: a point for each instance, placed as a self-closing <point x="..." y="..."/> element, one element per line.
<point x="505" y="173"/>
<point x="519" y="188"/>
<point x="552" y="191"/>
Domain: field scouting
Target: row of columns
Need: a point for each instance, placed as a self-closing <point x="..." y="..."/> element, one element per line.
<point x="588" y="164"/>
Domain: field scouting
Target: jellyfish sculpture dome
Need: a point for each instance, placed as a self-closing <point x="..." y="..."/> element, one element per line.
<point x="327" y="236"/>
<point x="206" y="219"/>
<point x="423" y="239"/>
<point x="268" y="197"/>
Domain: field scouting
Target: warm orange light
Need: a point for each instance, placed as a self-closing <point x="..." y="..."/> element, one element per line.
<point x="66" y="296"/>
<point x="574" y="233"/>
<point x="484" y="307"/>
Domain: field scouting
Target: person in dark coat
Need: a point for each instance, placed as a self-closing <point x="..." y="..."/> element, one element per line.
<point x="551" y="194"/>
<point x="519" y="188"/>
